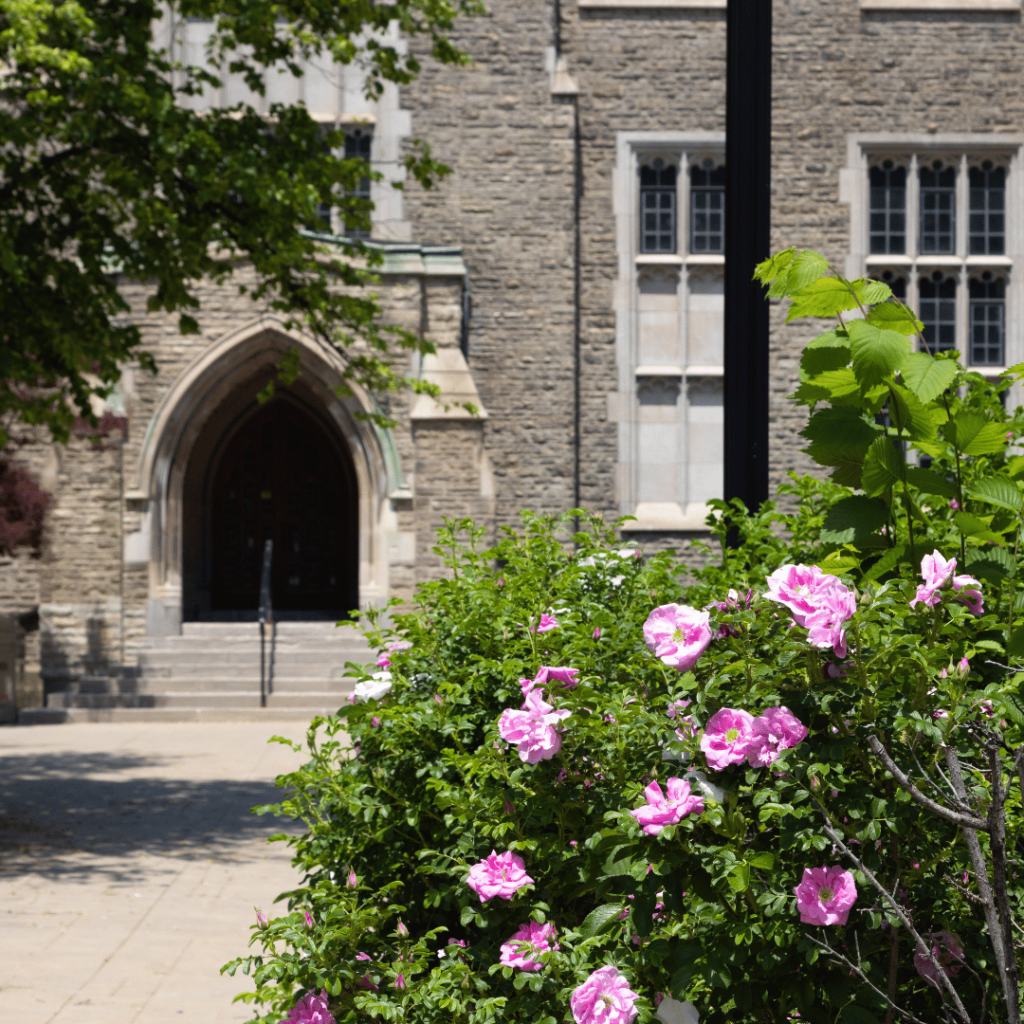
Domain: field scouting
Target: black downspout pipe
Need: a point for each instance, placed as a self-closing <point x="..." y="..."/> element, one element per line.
<point x="748" y="111"/>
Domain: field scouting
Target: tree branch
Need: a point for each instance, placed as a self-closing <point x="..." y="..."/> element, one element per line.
<point x="859" y="971"/>
<point x="966" y="821"/>
<point x="898" y="910"/>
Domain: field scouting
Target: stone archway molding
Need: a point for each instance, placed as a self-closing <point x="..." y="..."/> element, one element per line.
<point x="185" y="409"/>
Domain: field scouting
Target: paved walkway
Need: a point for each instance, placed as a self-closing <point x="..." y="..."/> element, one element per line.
<point x="129" y="867"/>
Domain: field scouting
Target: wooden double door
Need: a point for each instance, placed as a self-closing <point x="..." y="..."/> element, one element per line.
<point x="282" y="477"/>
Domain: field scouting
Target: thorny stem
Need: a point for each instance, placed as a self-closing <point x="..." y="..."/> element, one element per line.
<point x="897" y="908"/>
<point x="959" y="486"/>
<point x="1009" y="610"/>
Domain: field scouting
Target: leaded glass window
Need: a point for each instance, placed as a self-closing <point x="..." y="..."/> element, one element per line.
<point x="888" y="214"/>
<point x="707" y="208"/>
<point x="937" y="303"/>
<point x="658" y="207"/>
<point x="938" y="208"/>
<point x="987" y="223"/>
<point x="988" y="320"/>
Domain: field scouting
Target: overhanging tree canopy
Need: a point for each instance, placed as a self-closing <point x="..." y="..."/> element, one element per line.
<point x="102" y="168"/>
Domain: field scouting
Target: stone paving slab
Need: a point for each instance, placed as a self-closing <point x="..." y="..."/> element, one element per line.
<point x="130" y="865"/>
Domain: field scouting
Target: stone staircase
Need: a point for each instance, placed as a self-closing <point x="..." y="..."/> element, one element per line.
<point x="211" y="672"/>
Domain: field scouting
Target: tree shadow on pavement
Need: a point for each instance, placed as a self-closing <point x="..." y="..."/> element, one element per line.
<point x="67" y="814"/>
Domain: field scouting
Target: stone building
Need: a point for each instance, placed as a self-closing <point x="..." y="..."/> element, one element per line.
<point x="570" y="273"/>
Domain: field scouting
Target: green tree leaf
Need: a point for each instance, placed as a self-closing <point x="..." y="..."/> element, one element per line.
<point x="824" y="298"/>
<point x="841" y="428"/>
<point x="930" y="483"/>
<point x="852" y="520"/>
<point x="973" y="434"/>
<point x="894" y="316"/>
<point x="881" y="467"/>
<point x="829" y="351"/>
<point x="598" y="919"/>
<point x="927" y="376"/>
<point x="997" y="490"/>
<point x="889" y="560"/>
<point x="876" y="353"/>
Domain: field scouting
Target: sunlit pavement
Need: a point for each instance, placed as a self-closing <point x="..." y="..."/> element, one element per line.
<point x="129" y="867"/>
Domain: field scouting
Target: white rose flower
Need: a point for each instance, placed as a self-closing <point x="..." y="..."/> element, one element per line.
<point x="373" y="688"/>
<point x="671" y="1011"/>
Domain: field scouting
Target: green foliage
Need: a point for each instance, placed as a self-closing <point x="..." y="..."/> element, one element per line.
<point x="410" y="790"/>
<point x="105" y="172"/>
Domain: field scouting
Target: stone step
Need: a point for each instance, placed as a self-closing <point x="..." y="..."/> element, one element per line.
<point x="206" y="682"/>
<point x="219" y="656"/>
<point x="58" y="716"/>
<point x="322" y="702"/>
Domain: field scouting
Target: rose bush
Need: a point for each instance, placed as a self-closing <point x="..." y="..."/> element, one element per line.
<point x="738" y="807"/>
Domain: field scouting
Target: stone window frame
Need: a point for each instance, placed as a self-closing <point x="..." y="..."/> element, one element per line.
<point x="951" y="6"/>
<point x="963" y="150"/>
<point x="693" y="381"/>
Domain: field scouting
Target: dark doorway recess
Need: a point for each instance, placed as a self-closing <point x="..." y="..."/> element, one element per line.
<point x="281" y="476"/>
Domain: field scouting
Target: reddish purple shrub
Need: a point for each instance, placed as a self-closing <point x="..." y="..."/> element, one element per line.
<point x="23" y="507"/>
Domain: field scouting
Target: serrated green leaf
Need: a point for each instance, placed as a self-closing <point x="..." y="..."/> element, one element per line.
<point x="881" y="467"/>
<point x="839" y="384"/>
<point x="764" y="860"/>
<point x="838" y="563"/>
<point x="825" y="298"/>
<point x="974" y="526"/>
<point x="871" y="291"/>
<point x="927" y="376"/>
<point x="597" y="920"/>
<point x="973" y="434"/>
<point x="840" y="428"/>
<point x="1015" y="645"/>
<point x="1015" y="467"/>
<point x="769" y="269"/>
<point x="739" y="878"/>
<point x="997" y="490"/>
<point x="895" y="317"/>
<point x="829" y="351"/>
<point x="851" y="520"/>
<point x="888" y="562"/>
<point x="930" y="483"/>
<point x="805" y="267"/>
<point x="992" y="564"/>
<point x="848" y="463"/>
<point x="876" y="353"/>
<point x="1007" y="705"/>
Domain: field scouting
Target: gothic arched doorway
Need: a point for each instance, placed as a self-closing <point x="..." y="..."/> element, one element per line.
<point x="280" y="476"/>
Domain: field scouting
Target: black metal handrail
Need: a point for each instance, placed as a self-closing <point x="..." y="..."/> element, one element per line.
<point x="266" y="614"/>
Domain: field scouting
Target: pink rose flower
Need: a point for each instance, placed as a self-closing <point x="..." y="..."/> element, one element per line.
<point x="604" y="998"/>
<point x="968" y="595"/>
<point x="499" y="875"/>
<point x="777" y="729"/>
<point x="311" y="1009"/>
<point x="825" y="895"/>
<point x="936" y="572"/>
<point x="727" y="737"/>
<point x="662" y="810"/>
<point x="534" y="729"/>
<point x="398" y="645"/>
<point x="678" y="634"/>
<point x="836" y="604"/>
<point x="817" y="601"/>
<point x="539" y="938"/>
<point x="565" y="676"/>
<point x="946" y="949"/>
<point x="546" y="624"/>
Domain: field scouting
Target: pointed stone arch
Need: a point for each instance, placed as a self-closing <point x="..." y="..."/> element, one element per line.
<point x="201" y="404"/>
